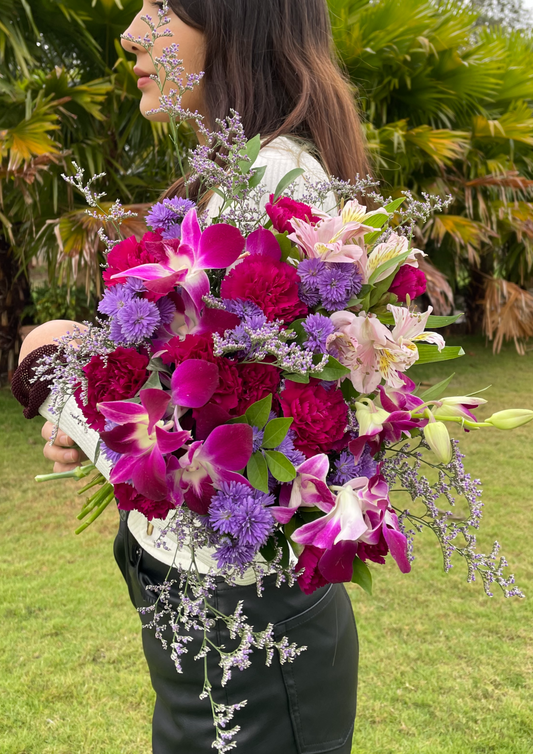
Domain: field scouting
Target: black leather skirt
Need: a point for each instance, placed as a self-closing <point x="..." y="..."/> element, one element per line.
<point x="304" y="707"/>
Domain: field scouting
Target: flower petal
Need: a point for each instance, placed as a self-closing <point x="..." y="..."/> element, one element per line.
<point x="156" y="403"/>
<point x="220" y="246"/>
<point x="336" y="564"/>
<point x="194" y="382"/>
<point x="122" y="412"/>
<point x="169" y="442"/>
<point x="229" y="446"/>
<point x="263" y="241"/>
<point x="149" y="475"/>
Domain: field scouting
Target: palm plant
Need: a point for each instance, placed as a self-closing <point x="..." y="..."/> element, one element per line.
<point x="448" y="108"/>
<point x="67" y="93"/>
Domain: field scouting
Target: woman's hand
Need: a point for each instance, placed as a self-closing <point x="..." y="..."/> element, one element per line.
<point x="62" y="452"/>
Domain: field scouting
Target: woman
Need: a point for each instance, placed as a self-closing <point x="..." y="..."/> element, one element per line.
<point x="271" y="61"/>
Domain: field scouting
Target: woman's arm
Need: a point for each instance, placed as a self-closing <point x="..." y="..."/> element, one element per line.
<point x="63" y="455"/>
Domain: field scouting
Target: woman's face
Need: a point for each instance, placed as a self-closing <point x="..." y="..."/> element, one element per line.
<point x="191" y="49"/>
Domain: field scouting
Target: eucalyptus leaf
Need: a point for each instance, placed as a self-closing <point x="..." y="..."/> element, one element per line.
<point x="257" y="472"/>
<point x="258" y="413"/>
<point x="280" y="466"/>
<point x="286" y="181"/>
<point x="276" y="431"/>
<point x="362" y="575"/>
<point x="437" y="390"/>
<point x="429" y="354"/>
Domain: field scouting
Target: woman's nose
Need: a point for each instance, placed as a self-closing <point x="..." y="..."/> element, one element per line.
<point x="137" y="29"/>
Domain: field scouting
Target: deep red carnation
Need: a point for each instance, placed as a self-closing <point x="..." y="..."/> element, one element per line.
<point x="128" y="499"/>
<point x="311" y="579"/>
<point x="123" y="374"/>
<point x="282" y="212"/>
<point x="270" y="284"/>
<point x="257" y="381"/>
<point x="408" y="280"/>
<point x="320" y="416"/>
<point x="130" y="253"/>
<point x="376" y="553"/>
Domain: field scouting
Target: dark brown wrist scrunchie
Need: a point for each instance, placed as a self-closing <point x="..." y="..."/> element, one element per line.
<point x="31" y="394"/>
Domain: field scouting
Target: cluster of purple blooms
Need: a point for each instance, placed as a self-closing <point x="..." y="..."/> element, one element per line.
<point x="167" y="215"/>
<point x="328" y="284"/>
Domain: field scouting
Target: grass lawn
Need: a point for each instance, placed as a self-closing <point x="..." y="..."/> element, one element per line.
<point x="444" y="669"/>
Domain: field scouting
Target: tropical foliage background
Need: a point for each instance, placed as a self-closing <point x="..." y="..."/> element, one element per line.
<point x="445" y="88"/>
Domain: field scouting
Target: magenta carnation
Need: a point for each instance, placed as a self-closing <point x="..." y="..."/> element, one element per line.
<point x="257" y="381"/>
<point x="130" y="253"/>
<point x="128" y="499"/>
<point x="408" y="281"/>
<point x="119" y="377"/>
<point x="283" y="210"/>
<point x="270" y="284"/>
<point x="311" y="579"/>
<point x="320" y="416"/>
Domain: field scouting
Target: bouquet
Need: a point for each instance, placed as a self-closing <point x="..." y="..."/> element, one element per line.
<point x="248" y="381"/>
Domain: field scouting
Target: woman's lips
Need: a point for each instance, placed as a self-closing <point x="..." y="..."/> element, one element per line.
<point x="143" y="81"/>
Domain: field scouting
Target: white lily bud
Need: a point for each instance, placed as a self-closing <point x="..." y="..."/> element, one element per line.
<point x="438" y="439"/>
<point x="511" y="418"/>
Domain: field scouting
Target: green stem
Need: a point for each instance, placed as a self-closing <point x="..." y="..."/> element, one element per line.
<point x="80" y="472"/>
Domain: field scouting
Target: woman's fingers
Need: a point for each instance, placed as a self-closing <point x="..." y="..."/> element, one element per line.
<point x="63" y="455"/>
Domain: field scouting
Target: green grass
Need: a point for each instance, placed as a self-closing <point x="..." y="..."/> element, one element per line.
<point x="443" y="669"/>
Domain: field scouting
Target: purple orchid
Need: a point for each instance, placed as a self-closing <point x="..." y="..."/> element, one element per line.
<point x="194" y="477"/>
<point x="309" y="489"/>
<point x="217" y="247"/>
<point x="377" y="425"/>
<point x="144" y="439"/>
<point x="193" y="383"/>
<point x="361" y="514"/>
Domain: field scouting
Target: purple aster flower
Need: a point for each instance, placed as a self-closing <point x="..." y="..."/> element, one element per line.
<point x="114" y="299"/>
<point x="309" y="271"/>
<point x="173" y="231"/>
<point x="346" y="468"/>
<point x="334" y="286"/>
<point x="296" y="457"/>
<point x="109" y="454"/>
<point x="135" y="284"/>
<point x="310" y="297"/>
<point x="245" y="310"/>
<point x="138" y="319"/>
<point x="257" y="438"/>
<point x="166" y="213"/>
<point x="239" y="512"/>
<point x="115" y="332"/>
<point x="357" y="282"/>
<point x="318" y="328"/>
<point x="167" y="309"/>
<point x="232" y="552"/>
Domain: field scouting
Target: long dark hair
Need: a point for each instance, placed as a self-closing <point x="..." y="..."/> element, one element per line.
<point x="273" y="61"/>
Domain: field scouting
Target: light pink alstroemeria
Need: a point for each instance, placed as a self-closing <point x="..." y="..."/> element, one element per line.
<point x="194" y="477"/>
<point x="394" y="247"/>
<point x="331" y="239"/>
<point x="143" y="439"/>
<point x="309" y="489"/>
<point x="361" y="514"/>
<point x="217" y="247"/>
<point x="372" y="352"/>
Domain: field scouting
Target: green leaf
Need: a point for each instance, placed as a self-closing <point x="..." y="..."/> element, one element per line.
<point x="393" y="206"/>
<point x="238" y="420"/>
<point x="429" y="354"/>
<point x="433" y="321"/>
<point x="301" y="378"/>
<point x="362" y="575"/>
<point x="257" y="176"/>
<point x="276" y="431"/>
<point x="268" y="551"/>
<point x="348" y="391"/>
<point x="280" y="466"/>
<point x="389" y="264"/>
<point x="288" y="250"/>
<point x="379" y="290"/>
<point x="301" y="335"/>
<point x="257" y="472"/>
<point x="286" y="181"/>
<point x="333" y="370"/>
<point x="258" y="413"/>
<point x="376" y="221"/>
<point x="251" y="150"/>
<point x="437" y="390"/>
